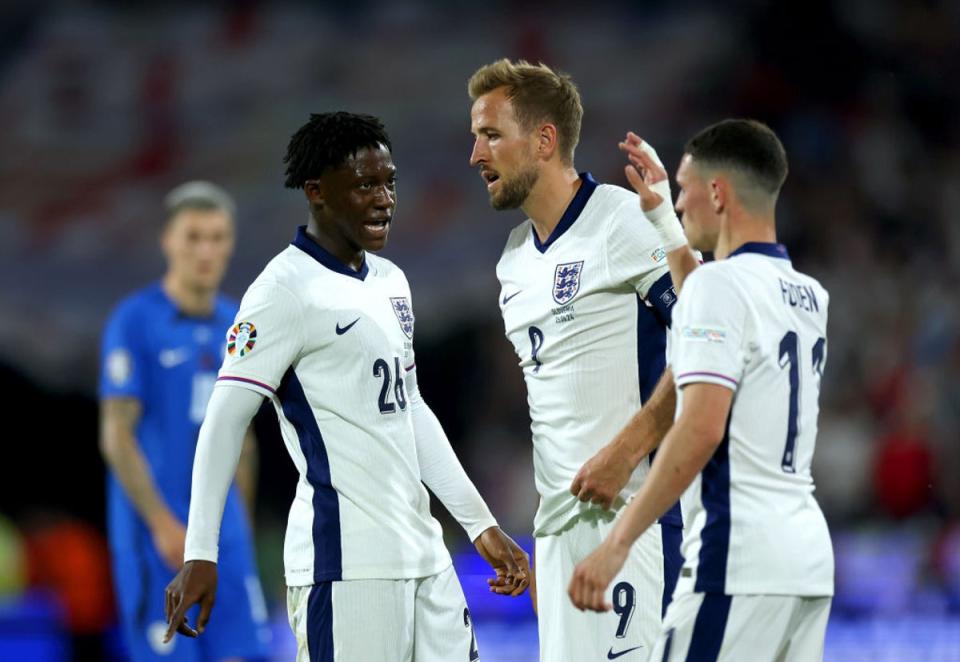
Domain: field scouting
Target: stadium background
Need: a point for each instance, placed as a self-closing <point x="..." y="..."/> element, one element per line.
<point x="104" y="106"/>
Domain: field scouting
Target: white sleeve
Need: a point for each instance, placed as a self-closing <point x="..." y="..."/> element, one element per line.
<point x="229" y="413"/>
<point x="266" y="339"/>
<point x="708" y="332"/>
<point x="634" y="250"/>
<point x="440" y="469"/>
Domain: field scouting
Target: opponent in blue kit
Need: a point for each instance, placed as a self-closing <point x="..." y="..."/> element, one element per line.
<point x="161" y="350"/>
<point x="747" y="353"/>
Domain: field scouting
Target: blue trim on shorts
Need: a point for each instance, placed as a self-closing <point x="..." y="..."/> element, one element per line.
<point x="327" y="553"/>
<point x="320" y="622"/>
<point x="671" y="537"/>
<point x="709" y="628"/>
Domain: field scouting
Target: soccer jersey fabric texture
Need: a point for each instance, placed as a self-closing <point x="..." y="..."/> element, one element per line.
<point x="333" y="350"/>
<point x="586" y="312"/>
<point x="754" y="324"/>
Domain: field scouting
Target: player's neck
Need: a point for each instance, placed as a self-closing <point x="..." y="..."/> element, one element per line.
<point x="550" y="197"/>
<point x="745" y="228"/>
<point x="341" y="250"/>
<point x="192" y="301"/>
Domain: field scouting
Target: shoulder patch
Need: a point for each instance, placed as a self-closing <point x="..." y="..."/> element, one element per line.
<point x="703" y="334"/>
<point x="119" y="366"/>
<point x="241" y="338"/>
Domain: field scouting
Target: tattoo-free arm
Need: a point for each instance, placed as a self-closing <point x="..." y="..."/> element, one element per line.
<point x="684" y="452"/>
<point x="121" y="451"/>
<point x="601" y="479"/>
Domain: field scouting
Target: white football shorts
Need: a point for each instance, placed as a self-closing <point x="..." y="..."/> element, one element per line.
<point x="764" y="628"/>
<point x="637" y="594"/>
<point x="402" y="620"/>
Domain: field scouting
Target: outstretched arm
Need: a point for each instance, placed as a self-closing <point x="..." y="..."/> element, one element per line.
<point x="441" y="471"/>
<point x="601" y="479"/>
<point x="645" y="171"/>
<point x="121" y="451"/>
<point x="228" y="416"/>
<point x="686" y="449"/>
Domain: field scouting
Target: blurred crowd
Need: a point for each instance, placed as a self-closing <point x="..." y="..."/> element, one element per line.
<point x="104" y="107"/>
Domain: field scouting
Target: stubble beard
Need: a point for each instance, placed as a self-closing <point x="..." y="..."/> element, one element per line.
<point x="513" y="193"/>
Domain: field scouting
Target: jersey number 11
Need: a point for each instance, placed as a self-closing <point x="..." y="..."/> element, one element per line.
<point x="790" y="358"/>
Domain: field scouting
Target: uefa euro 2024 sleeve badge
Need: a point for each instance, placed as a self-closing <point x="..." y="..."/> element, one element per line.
<point x="566" y="281"/>
<point x="401" y="308"/>
<point x="241" y="338"/>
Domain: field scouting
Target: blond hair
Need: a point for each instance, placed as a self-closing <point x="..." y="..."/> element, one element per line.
<point x="538" y="94"/>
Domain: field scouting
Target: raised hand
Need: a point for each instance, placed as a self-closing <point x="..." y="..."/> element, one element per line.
<point x="508" y="560"/>
<point x="195" y="583"/>
<point x="644" y="170"/>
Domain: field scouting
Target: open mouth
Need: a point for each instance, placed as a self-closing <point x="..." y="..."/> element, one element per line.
<point x="490" y="177"/>
<point x="377" y="228"/>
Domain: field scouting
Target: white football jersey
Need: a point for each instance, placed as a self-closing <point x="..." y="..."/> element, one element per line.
<point x="333" y="350"/>
<point x="576" y="310"/>
<point x="753" y="324"/>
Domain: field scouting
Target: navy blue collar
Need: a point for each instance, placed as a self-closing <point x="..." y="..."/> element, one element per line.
<point x="587" y="186"/>
<point x="324" y="257"/>
<point x="763" y="248"/>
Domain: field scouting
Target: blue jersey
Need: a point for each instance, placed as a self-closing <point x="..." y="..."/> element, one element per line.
<point x="168" y="361"/>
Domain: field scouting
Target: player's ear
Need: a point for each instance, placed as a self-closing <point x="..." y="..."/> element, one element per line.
<point x="315" y="192"/>
<point x="546" y="141"/>
<point x="719" y="194"/>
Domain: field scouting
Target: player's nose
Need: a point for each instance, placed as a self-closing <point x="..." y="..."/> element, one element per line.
<point x="479" y="153"/>
<point x="385" y="197"/>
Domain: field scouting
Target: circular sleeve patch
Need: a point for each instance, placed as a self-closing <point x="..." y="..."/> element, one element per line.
<point x="241" y="338"/>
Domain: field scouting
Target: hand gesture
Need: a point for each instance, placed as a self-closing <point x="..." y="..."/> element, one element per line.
<point x="508" y="560"/>
<point x="602" y="477"/>
<point x="644" y="170"/>
<point x="195" y="583"/>
<point x="592" y="576"/>
<point x="168" y="535"/>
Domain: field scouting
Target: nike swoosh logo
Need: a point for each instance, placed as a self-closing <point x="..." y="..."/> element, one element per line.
<point x="171" y="358"/>
<point x="507" y="298"/>
<point x="612" y="656"/>
<point x="343" y="330"/>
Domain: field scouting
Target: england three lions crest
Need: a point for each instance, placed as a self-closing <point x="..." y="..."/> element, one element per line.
<point x="401" y="307"/>
<point x="566" y="281"/>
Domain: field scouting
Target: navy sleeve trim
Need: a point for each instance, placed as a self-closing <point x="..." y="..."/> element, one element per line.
<point x="662" y="297"/>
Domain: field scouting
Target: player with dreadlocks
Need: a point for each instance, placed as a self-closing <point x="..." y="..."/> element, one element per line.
<point x="325" y="332"/>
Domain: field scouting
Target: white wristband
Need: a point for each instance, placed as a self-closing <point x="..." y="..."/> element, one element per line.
<point x="664" y="219"/>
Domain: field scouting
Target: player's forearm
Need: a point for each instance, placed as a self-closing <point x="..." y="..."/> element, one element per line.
<point x="644" y="432"/>
<point x="441" y="471"/>
<point x="122" y="453"/>
<point x="229" y="412"/>
<point x="685" y="451"/>
<point x="247" y="471"/>
<point x="681" y="262"/>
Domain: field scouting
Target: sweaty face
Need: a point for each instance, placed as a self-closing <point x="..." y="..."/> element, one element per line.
<point x="700" y="223"/>
<point x="358" y="201"/>
<point x="502" y="150"/>
<point x="198" y="245"/>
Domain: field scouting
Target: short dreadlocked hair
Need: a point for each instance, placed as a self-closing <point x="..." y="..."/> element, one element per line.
<point x="327" y="141"/>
